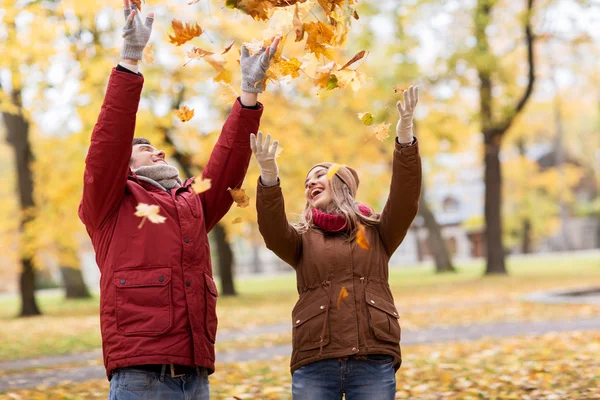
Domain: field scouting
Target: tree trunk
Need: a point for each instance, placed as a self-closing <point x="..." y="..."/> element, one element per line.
<point x="225" y="261"/>
<point x="526" y="244"/>
<point x="437" y="245"/>
<point x="74" y="284"/>
<point x="493" y="208"/>
<point x="17" y="136"/>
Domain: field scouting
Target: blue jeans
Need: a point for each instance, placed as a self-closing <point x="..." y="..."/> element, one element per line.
<point x="138" y="384"/>
<point x="370" y="379"/>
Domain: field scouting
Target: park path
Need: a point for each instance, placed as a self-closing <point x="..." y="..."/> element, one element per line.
<point x="457" y="333"/>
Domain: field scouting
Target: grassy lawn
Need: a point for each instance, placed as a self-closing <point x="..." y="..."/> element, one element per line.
<point x="423" y="298"/>
<point x="551" y="366"/>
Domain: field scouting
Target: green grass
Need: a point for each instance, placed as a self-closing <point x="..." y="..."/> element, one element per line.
<point x="73" y="326"/>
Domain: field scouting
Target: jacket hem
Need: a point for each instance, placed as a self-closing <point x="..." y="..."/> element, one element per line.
<point x="339" y="354"/>
<point x="158" y="359"/>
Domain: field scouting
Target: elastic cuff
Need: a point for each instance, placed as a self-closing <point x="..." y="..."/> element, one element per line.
<point x="132" y="52"/>
<point x="132" y="67"/>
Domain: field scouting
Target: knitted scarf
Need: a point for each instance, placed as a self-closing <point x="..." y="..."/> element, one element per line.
<point x="334" y="222"/>
<point x="163" y="176"/>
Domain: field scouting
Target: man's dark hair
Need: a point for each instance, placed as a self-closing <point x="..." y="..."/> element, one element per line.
<point x="140" y="140"/>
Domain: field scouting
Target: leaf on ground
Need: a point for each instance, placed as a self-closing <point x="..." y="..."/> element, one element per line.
<point x="150" y="212"/>
<point x="185" y="113"/>
<point x="343" y="294"/>
<point x="201" y="185"/>
<point x="366" y="118"/>
<point x="361" y="237"/>
<point x="183" y="32"/>
<point x="354" y="59"/>
<point x="240" y="197"/>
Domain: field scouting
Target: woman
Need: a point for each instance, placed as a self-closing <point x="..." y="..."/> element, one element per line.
<point x="342" y="344"/>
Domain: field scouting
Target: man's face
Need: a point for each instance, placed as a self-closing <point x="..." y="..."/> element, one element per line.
<point x="145" y="155"/>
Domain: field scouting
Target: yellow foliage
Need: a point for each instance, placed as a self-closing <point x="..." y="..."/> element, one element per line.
<point x="183" y="32"/>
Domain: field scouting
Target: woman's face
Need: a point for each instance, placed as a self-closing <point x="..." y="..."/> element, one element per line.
<point x="317" y="189"/>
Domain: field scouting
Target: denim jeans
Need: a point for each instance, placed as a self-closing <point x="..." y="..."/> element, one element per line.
<point x="137" y="384"/>
<point x="373" y="378"/>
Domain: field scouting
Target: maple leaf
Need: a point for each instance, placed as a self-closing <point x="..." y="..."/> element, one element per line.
<point x="229" y="46"/>
<point x="260" y="10"/>
<point x="150" y="212"/>
<point x="229" y="94"/>
<point x="222" y="74"/>
<point x="320" y="39"/>
<point x="201" y="185"/>
<point x="290" y="67"/>
<point x="324" y="78"/>
<point x="240" y="197"/>
<point x="329" y="5"/>
<point x="333" y="170"/>
<point x="343" y="294"/>
<point x="350" y="78"/>
<point x="298" y="25"/>
<point x="237" y="220"/>
<point x="149" y="54"/>
<point x="185" y="113"/>
<point x="197" y="53"/>
<point x="361" y="237"/>
<point x="354" y="59"/>
<point x="381" y="131"/>
<point x="365" y="118"/>
<point x="183" y="32"/>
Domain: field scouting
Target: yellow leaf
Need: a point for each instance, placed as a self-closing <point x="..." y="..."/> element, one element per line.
<point x="320" y="39"/>
<point x="254" y="46"/>
<point x="150" y="212"/>
<point x="196" y="53"/>
<point x="240" y="197"/>
<point x="343" y="294"/>
<point x="329" y="5"/>
<point x="184" y="113"/>
<point x="229" y="94"/>
<point x="361" y="237"/>
<point x="201" y="185"/>
<point x="350" y="78"/>
<point x="354" y="59"/>
<point x="183" y="32"/>
<point x="237" y="220"/>
<point x="223" y="75"/>
<point x="298" y="25"/>
<point x="333" y="170"/>
<point x="229" y="46"/>
<point x="366" y="118"/>
<point x="381" y="131"/>
<point x="291" y="67"/>
<point x="149" y="54"/>
<point x="260" y="10"/>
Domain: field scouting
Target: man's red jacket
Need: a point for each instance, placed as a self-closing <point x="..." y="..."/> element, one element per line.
<point x="157" y="294"/>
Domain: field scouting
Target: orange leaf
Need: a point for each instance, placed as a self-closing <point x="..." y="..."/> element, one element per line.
<point x="354" y="59"/>
<point x="239" y="196"/>
<point x="138" y="4"/>
<point x="183" y="32"/>
<point x="228" y="47"/>
<point x="397" y="89"/>
<point x="298" y="25"/>
<point x="320" y="39"/>
<point x="198" y="53"/>
<point x="185" y="113"/>
<point x="343" y="294"/>
<point x="222" y="74"/>
<point x="361" y="237"/>
<point x="201" y="185"/>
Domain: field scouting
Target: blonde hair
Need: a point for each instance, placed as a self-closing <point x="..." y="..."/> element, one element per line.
<point x="342" y="204"/>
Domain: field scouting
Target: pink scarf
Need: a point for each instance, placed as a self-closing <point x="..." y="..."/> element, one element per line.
<point x="335" y="222"/>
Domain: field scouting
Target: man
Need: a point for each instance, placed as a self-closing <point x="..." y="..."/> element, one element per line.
<point x="158" y="297"/>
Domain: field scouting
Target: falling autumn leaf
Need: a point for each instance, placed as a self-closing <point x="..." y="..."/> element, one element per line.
<point x="397" y="89"/>
<point x="201" y="185"/>
<point x="229" y="94"/>
<point x="185" y="113"/>
<point x="355" y="15"/>
<point x="350" y="78"/>
<point x="343" y="294"/>
<point x="329" y="5"/>
<point x="298" y="25"/>
<point x="381" y="131"/>
<point x="240" y="197"/>
<point x="354" y="59"/>
<point x="150" y="212"/>
<point x="237" y="220"/>
<point x="320" y="39"/>
<point x="197" y="53"/>
<point x="138" y="4"/>
<point x="229" y="46"/>
<point x="366" y="118"/>
<point x="361" y="237"/>
<point x="333" y="170"/>
<point x="254" y="46"/>
<point x="223" y="75"/>
<point x="290" y="67"/>
<point x="149" y="54"/>
<point x="260" y="10"/>
<point x="183" y="32"/>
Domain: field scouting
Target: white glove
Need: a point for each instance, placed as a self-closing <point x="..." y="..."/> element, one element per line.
<point x="404" y="127"/>
<point x="265" y="157"/>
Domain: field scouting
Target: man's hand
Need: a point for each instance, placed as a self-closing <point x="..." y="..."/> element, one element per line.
<point x="254" y="71"/>
<point x="265" y="157"/>
<point x="136" y="33"/>
<point x="406" y="111"/>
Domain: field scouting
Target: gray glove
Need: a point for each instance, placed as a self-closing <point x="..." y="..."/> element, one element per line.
<point x="254" y="68"/>
<point x="136" y="33"/>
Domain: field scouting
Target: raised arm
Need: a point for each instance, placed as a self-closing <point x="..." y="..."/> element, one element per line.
<point x="403" y="201"/>
<point x="107" y="161"/>
<point x="229" y="160"/>
<point x="279" y="235"/>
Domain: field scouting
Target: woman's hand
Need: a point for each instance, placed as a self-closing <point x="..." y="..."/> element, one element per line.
<point x="136" y="33"/>
<point x="404" y="127"/>
<point x="265" y="156"/>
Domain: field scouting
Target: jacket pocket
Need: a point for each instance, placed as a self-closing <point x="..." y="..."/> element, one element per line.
<point x="308" y="326"/>
<point x="210" y="316"/>
<point x="383" y="318"/>
<point x="144" y="305"/>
